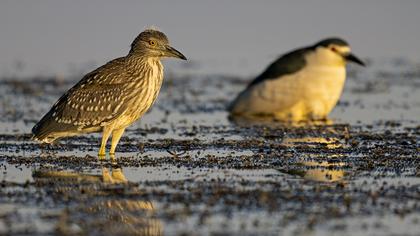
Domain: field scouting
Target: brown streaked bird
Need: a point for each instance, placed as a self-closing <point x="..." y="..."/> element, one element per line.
<point x="113" y="96"/>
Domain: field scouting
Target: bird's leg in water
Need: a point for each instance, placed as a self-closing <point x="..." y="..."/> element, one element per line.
<point x="106" y="133"/>
<point x="116" y="135"/>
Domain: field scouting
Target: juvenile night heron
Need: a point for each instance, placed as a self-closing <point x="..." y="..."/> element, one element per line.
<point x="304" y="84"/>
<point x="113" y="96"/>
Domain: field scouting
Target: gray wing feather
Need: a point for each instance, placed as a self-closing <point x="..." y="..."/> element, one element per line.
<point x="287" y="64"/>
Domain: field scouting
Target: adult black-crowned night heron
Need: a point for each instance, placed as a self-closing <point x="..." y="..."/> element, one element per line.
<point x="112" y="97"/>
<point x="304" y="84"/>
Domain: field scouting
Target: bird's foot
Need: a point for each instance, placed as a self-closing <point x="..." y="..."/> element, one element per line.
<point x="112" y="156"/>
<point x="101" y="157"/>
<point x="104" y="156"/>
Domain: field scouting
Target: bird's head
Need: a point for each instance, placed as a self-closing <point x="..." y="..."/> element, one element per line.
<point x="153" y="43"/>
<point x="337" y="49"/>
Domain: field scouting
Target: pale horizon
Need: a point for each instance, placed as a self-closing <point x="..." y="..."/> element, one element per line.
<point x="235" y="37"/>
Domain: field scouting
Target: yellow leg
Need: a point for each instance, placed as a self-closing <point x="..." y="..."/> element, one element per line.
<point x="116" y="135"/>
<point x="112" y="157"/>
<point x="105" y="135"/>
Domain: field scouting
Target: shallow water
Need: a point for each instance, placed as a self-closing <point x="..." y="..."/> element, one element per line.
<point x="186" y="169"/>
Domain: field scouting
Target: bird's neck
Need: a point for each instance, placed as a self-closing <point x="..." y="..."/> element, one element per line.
<point x="324" y="57"/>
<point x="143" y="63"/>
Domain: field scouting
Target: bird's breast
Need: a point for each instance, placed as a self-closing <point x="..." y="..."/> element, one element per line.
<point x="321" y="88"/>
<point x="313" y="91"/>
<point x="145" y="92"/>
<point x="324" y="80"/>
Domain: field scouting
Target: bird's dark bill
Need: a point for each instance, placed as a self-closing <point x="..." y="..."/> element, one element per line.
<point x="172" y="52"/>
<point x="353" y="58"/>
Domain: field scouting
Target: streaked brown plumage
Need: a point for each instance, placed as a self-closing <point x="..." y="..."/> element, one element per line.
<point x="112" y="97"/>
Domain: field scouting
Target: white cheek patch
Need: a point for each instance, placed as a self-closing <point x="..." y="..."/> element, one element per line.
<point x="343" y="49"/>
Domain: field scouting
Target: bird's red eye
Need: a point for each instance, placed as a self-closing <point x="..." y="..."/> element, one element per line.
<point x="334" y="49"/>
<point x="152" y="43"/>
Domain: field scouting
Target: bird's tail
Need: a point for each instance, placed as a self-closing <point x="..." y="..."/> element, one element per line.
<point x="40" y="135"/>
<point x="45" y="129"/>
<point x="233" y="104"/>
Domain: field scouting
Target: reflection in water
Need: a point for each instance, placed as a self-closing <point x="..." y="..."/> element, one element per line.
<point x="328" y="143"/>
<point x="114" y="176"/>
<point x="312" y="170"/>
<point x="323" y="171"/>
<point x="121" y="217"/>
<point x="103" y="211"/>
<point x="272" y="121"/>
<point x="110" y="176"/>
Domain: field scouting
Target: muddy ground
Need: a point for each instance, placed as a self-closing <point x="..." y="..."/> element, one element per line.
<point x="186" y="169"/>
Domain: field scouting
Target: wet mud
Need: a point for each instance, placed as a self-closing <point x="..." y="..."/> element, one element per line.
<point x="187" y="169"/>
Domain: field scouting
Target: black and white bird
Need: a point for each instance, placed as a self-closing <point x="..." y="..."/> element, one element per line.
<point x="113" y="96"/>
<point x="304" y="84"/>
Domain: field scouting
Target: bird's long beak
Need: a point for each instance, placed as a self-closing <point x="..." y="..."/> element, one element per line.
<point x="172" y="52"/>
<point x="353" y="58"/>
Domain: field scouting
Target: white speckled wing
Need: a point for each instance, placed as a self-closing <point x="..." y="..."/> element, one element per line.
<point x="92" y="106"/>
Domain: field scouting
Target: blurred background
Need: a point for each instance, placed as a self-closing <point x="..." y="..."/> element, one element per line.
<point x="191" y="170"/>
<point x="68" y="38"/>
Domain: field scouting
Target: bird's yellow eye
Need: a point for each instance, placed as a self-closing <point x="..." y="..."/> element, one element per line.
<point x="152" y="43"/>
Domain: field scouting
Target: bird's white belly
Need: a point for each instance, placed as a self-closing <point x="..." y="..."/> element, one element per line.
<point x="309" y="94"/>
<point x="323" y="88"/>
